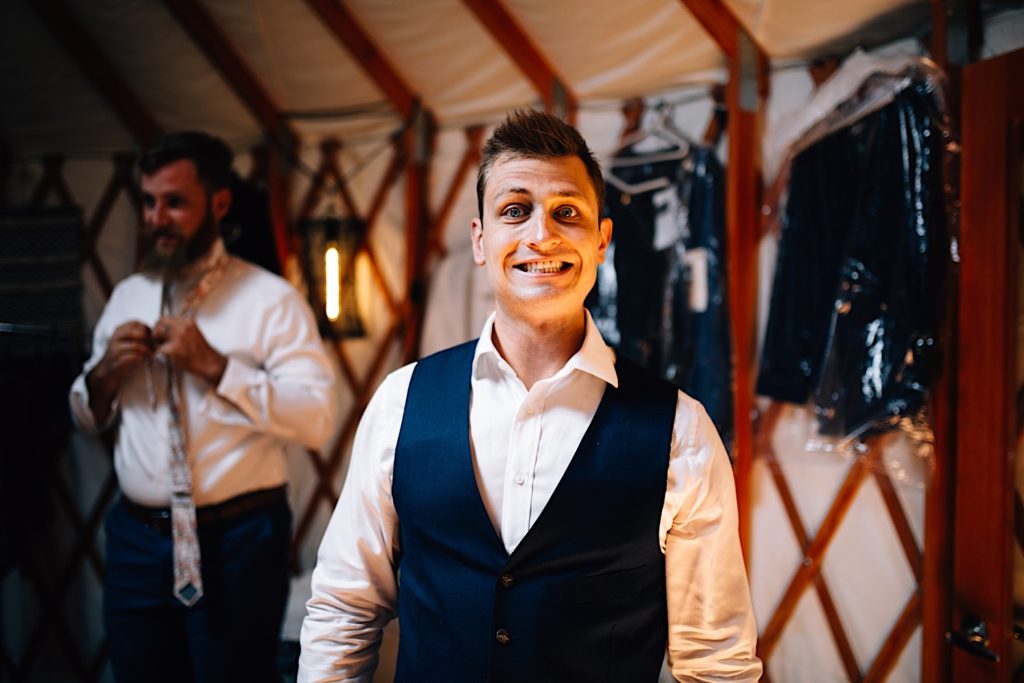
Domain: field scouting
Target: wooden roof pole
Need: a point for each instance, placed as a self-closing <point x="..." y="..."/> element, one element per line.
<point x="343" y="25"/>
<point x="209" y="38"/>
<point x="99" y="70"/>
<point x="744" y="92"/>
<point x="558" y="98"/>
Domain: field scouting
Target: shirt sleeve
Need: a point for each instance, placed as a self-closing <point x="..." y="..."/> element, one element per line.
<point x="78" y="396"/>
<point x="354" y="585"/>
<point x="712" y="633"/>
<point x="291" y="393"/>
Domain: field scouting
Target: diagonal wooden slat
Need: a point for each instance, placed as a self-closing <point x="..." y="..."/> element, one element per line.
<point x="51" y="620"/>
<point x="524" y="53"/>
<point x="811" y="564"/>
<point x="900" y="523"/>
<point x="896" y="640"/>
<point x="470" y="160"/>
<point x="52" y="181"/>
<point x="121" y="180"/>
<point x="842" y="642"/>
<point x="106" y="79"/>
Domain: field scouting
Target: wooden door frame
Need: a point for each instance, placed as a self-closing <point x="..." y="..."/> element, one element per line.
<point x="986" y="378"/>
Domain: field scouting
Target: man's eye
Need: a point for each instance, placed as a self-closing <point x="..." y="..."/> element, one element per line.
<point x="514" y="211"/>
<point x="567" y="212"/>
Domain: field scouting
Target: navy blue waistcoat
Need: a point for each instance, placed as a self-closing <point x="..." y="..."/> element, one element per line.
<point x="582" y="598"/>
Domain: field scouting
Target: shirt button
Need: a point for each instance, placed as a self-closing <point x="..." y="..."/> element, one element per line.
<point x="507" y="581"/>
<point x="520" y="480"/>
<point x="502" y="636"/>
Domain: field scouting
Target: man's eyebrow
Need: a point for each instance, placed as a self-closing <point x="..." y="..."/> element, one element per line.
<point x="563" y="192"/>
<point x="512" y="189"/>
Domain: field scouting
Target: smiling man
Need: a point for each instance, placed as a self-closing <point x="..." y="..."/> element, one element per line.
<point x="531" y="507"/>
<point x="207" y="367"/>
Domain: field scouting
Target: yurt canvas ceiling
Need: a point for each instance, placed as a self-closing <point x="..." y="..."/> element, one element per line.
<point x="598" y="49"/>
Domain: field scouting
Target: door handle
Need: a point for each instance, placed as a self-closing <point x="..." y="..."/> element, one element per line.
<point x="973" y="638"/>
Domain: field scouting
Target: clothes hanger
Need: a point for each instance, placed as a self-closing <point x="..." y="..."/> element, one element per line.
<point x="660" y="127"/>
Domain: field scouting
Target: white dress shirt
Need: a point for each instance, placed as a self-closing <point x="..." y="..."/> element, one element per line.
<point x="277" y="387"/>
<point x="522" y="443"/>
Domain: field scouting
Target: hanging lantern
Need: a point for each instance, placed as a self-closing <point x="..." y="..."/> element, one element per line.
<point x="330" y="246"/>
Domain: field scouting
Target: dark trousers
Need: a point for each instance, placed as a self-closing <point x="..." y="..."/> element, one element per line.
<point x="231" y="634"/>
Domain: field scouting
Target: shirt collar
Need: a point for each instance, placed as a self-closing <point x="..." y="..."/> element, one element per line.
<point x="594" y="357"/>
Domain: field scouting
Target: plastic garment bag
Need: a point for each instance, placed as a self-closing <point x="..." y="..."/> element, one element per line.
<point x="814" y="230"/>
<point x="881" y="352"/>
<point x="862" y="259"/>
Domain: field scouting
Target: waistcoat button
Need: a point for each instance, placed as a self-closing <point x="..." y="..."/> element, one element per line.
<point x="502" y="636"/>
<point x="507" y="581"/>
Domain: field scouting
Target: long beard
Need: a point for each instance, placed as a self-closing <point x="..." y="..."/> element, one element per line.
<point x="171" y="266"/>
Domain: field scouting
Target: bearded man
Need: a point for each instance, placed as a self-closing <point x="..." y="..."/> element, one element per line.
<point x="207" y="367"/>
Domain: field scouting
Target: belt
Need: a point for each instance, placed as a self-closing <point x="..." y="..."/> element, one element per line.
<point x="159" y="519"/>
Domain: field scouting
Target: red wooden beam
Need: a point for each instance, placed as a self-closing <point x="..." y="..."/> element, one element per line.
<point x="106" y="80"/>
<point x="719" y="22"/>
<point x="724" y="28"/>
<point x="419" y="148"/>
<point x="517" y="44"/>
<point x="354" y="38"/>
<point x="214" y="43"/>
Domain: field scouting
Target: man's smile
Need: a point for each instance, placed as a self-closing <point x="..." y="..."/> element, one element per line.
<point x="543" y="267"/>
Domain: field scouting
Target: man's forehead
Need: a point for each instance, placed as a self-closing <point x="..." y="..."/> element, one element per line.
<point x="562" y="175"/>
<point x="181" y="172"/>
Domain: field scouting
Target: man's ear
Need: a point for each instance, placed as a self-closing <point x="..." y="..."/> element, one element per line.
<point x="220" y="202"/>
<point x="477" y="235"/>
<point x="605" y="228"/>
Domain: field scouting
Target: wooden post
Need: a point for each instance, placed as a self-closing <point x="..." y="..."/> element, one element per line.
<point x="419" y="142"/>
<point x="743" y="217"/>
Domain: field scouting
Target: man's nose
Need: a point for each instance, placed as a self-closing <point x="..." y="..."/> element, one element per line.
<point x="544" y="232"/>
<point x="156" y="214"/>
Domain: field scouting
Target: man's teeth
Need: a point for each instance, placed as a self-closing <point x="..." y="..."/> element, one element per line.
<point x="542" y="267"/>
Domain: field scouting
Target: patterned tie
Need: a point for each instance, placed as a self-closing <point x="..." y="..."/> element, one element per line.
<point x="188" y="580"/>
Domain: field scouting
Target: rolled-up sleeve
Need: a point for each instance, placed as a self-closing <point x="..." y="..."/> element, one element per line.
<point x="712" y="633"/>
<point x="290" y="394"/>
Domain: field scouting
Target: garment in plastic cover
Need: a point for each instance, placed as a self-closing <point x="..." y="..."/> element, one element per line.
<point x="857" y="297"/>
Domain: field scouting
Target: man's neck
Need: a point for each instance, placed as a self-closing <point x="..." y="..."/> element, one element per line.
<point x="537" y="350"/>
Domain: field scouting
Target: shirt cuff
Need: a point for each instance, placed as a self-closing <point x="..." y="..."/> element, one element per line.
<point x="78" y="397"/>
<point x="227" y="402"/>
